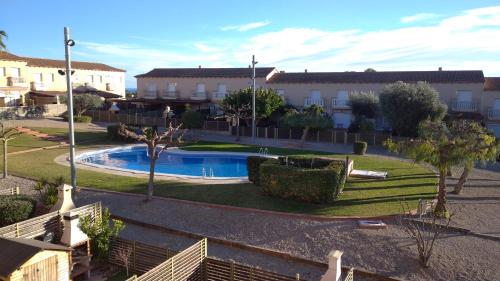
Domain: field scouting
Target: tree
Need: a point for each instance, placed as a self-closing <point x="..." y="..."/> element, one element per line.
<point x="436" y="146"/>
<point x="480" y="145"/>
<point x="364" y="104"/>
<point x="5" y="136"/>
<point x="311" y="118"/>
<point x="3" y="35"/>
<point x="406" y="105"/>
<point x="84" y="102"/>
<point x="171" y="137"/>
<point x="370" y="70"/>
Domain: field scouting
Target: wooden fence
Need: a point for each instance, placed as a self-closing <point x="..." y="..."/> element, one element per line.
<point x="186" y="265"/>
<point x="48" y="223"/>
<point x="9" y="190"/>
<point x="141" y="257"/>
<point x="218" y="270"/>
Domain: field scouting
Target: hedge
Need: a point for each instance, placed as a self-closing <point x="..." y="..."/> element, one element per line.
<point x="359" y="147"/>
<point x="79" y="119"/>
<point x="320" y="184"/>
<point x="253" y="165"/>
<point x="15" y="208"/>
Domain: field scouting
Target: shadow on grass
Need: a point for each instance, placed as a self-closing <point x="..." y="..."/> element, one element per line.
<point x="350" y="188"/>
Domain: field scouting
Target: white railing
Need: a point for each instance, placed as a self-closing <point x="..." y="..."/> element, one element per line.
<point x="464" y="106"/>
<point x="316" y="101"/>
<point x="219" y="95"/>
<point x="199" y="96"/>
<point x="493" y="114"/>
<point x="150" y="94"/>
<point x="16" y="81"/>
<point x="340" y="103"/>
<point x="169" y="95"/>
<point x="38" y="86"/>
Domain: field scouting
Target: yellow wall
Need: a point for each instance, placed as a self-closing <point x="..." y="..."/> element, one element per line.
<point x="62" y="265"/>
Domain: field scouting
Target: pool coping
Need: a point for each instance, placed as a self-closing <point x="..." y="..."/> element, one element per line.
<point x="64" y="160"/>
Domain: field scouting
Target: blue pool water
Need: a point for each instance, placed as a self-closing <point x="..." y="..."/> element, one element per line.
<point x="174" y="163"/>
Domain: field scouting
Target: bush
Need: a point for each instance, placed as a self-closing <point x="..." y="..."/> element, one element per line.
<point x="360" y="147"/>
<point x="113" y="133"/>
<point x="320" y="184"/>
<point x="15" y="208"/>
<point x="79" y="119"/>
<point x="361" y="124"/>
<point x="253" y="166"/>
<point x="364" y="104"/>
<point x="192" y="119"/>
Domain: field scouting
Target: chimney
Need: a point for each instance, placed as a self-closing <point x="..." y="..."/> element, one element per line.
<point x="199" y="66"/>
<point x="72" y="234"/>
<point x="249" y="66"/>
<point x="64" y="202"/>
<point x="305" y="70"/>
<point x="440" y="68"/>
<point x="334" y="266"/>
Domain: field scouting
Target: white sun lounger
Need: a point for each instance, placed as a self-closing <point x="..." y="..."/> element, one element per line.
<point x="368" y="174"/>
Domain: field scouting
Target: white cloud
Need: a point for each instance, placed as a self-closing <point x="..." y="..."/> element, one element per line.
<point x="245" y="27"/>
<point x="468" y="40"/>
<point x="418" y="17"/>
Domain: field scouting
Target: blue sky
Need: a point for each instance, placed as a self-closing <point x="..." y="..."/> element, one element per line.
<point x="291" y="35"/>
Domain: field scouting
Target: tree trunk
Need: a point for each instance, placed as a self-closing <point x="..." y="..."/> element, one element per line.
<point x="152" y="162"/>
<point x="238" y="129"/>
<point x="440" y="209"/>
<point x="462" y="180"/>
<point x="4" y="159"/>
<point x="304" y="136"/>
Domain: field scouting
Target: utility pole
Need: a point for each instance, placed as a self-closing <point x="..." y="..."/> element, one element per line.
<point x="67" y="44"/>
<point x="253" y="98"/>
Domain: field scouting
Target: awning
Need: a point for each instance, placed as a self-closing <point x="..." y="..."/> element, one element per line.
<point x="47" y="94"/>
<point x="94" y="91"/>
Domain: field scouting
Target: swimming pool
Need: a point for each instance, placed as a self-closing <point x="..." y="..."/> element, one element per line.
<point x="173" y="162"/>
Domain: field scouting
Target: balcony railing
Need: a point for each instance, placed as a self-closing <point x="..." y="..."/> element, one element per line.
<point x="169" y="95"/>
<point x="38" y="86"/>
<point x="340" y="103"/>
<point x="316" y="101"/>
<point x="493" y="114"/>
<point x="199" y="96"/>
<point x="464" y="106"/>
<point x="150" y="94"/>
<point x="219" y="95"/>
<point x="16" y="82"/>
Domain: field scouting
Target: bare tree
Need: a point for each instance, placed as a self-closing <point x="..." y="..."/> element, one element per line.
<point x="123" y="255"/>
<point x="237" y="113"/>
<point x="5" y="136"/>
<point x="171" y="137"/>
<point x="424" y="229"/>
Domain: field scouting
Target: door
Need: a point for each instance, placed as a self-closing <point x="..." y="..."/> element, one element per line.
<point x="45" y="270"/>
<point x="342" y="120"/>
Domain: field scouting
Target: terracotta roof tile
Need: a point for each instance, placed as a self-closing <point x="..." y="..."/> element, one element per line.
<point x="492" y="83"/>
<point x="238" y="72"/>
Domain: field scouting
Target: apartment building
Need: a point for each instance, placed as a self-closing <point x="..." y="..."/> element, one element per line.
<point x="466" y="92"/>
<point x="24" y="78"/>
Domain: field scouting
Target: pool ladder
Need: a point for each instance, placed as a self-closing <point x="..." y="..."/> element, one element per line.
<point x="204" y="173"/>
<point x="263" y="151"/>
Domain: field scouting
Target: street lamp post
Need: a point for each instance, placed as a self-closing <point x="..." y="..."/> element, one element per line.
<point x="253" y="98"/>
<point x="67" y="44"/>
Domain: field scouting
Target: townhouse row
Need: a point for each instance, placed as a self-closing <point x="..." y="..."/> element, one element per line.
<point x="40" y="80"/>
<point x="466" y="92"/>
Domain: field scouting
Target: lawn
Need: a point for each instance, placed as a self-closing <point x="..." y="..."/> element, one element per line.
<point x="360" y="197"/>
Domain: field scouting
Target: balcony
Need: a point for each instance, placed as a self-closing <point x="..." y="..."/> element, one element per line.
<point x="16" y="82"/>
<point x="199" y="96"/>
<point x="38" y="86"/>
<point x="315" y="101"/>
<point x="150" y="94"/>
<point x="169" y="95"/>
<point x="464" y="106"/>
<point x="218" y="96"/>
<point x="493" y="114"/>
<point x="109" y="87"/>
<point x="340" y="104"/>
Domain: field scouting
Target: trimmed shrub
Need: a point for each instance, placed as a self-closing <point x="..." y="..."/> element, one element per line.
<point x="320" y="184"/>
<point x="15" y="208"/>
<point x="360" y="147"/>
<point x="79" y="119"/>
<point x="192" y="119"/>
<point x="253" y="166"/>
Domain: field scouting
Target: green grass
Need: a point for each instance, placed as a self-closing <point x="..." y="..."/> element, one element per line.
<point x="361" y="197"/>
<point x="26" y="142"/>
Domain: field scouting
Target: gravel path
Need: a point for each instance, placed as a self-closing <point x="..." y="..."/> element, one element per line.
<point x="386" y="251"/>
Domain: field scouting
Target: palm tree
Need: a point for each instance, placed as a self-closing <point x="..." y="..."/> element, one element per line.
<point x="2" y="44"/>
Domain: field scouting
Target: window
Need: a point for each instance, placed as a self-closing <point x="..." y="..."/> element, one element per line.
<point x="37" y="77"/>
<point x="171" y="87"/>
<point x="315" y="94"/>
<point x="51" y="77"/>
<point x="15" y="72"/>
<point x="151" y="87"/>
<point x="343" y="95"/>
<point x="2" y="71"/>
<point x="99" y="78"/>
<point x="90" y="79"/>
<point x="200" y="88"/>
<point x="464" y="96"/>
<point x="221" y="88"/>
